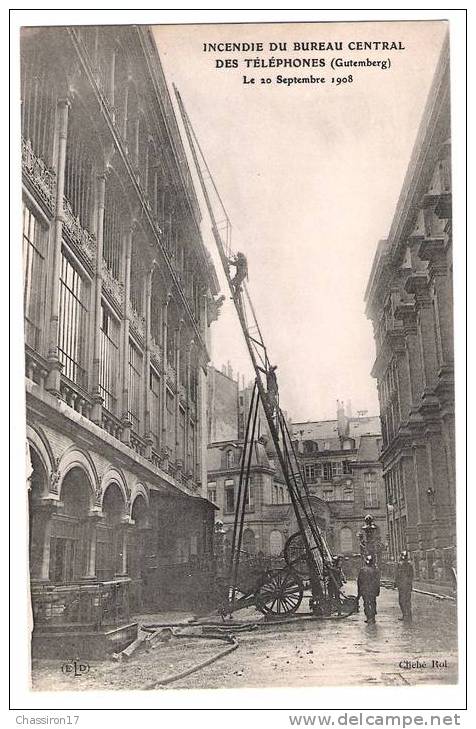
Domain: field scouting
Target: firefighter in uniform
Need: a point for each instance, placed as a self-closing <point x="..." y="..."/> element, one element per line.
<point x="368" y="583"/>
<point x="404" y="584"/>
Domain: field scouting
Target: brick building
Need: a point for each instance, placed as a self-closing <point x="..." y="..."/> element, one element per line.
<point x="119" y="295"/>
<point x="341" y="464"/>
<point x="409" y="300"/>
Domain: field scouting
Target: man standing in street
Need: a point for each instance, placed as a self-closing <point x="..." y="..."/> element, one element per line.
<point x="404" y="584"/>
<point x="368" y="584"/>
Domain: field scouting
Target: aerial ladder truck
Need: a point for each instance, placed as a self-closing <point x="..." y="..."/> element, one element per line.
<point x="309" y="562"/>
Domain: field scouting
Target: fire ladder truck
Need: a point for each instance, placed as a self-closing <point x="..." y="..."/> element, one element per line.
<point x="309" y="562"/>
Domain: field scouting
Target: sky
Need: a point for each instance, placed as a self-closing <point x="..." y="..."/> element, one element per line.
<point x="310" y="176"/>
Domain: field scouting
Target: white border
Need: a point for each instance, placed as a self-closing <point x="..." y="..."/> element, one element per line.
<point x="300" y="700"/>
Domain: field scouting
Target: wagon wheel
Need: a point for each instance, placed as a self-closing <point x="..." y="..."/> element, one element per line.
<point x="280" y="593"/>
<point x="295" y="555"/>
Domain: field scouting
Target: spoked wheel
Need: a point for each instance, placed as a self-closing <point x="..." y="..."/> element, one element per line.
<point x="280" y="593"/>
<point x="296" y="556"/>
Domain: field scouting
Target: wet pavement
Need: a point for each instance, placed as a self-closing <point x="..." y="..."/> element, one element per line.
<point x="345" y="652"/>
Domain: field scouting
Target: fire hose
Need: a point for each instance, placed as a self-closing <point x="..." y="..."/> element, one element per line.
<point x="198" y="666"/>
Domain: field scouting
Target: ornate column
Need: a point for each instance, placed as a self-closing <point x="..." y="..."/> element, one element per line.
<point x="435" y="252"/>
<point x="53" y="379"/>
<point x="97" y="289"/>
<point x="42" y="511"/>
<point x="126" y="423"/>
<point x="417" y="284"/>
<point x="406" y="312"/>
<point x="125" y="526"/>
<point x="94" y="518"/>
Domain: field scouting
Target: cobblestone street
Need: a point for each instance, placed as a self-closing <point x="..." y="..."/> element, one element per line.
<point x="311" y="653"/>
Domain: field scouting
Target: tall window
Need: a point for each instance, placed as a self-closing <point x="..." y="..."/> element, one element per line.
<point x="79" y="170"/>
<point x="275" y="543"/>
<point x="250" y="496"/>
<point x="370" y="491"/>
<point x="34" y="251"/>
<point x="73" y="315"/>
<point x="229" y="496"/>
<point x="212" y="492"/>
<point x="114" y="230"/>
<point x="181" y="434"/>
<point x="170" y="420"/>
<point x="249" y="541"/>
<point x="346" y="540"/>
<point x="109" y="359"/>
<point x="137" y="278"/>
<point x="135" y="386"/>
<point x="192" y="446"/>
<point x="327" y="471"/>
<point x="230" y="459"/>
<point x="337" y="468"/>
<point x="39" y="91"/>
<point x="312" y="472"/>
<point x="154" y="384"/>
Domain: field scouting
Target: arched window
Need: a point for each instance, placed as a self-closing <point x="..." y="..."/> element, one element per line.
<point x="346" y="540"/>
<point x="110" y="544"/>
<point x="249" y="541"/>
<point x="275" y="543"/>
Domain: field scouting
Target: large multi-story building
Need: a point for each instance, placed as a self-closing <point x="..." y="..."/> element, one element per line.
<point x="409" y="299"/>
<point x="341" y="464"/>
<point x="119" y="294"/>
<point x="269" y="518"/>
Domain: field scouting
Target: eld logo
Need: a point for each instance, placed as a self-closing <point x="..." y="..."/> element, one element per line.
<point x="75" y="668"/>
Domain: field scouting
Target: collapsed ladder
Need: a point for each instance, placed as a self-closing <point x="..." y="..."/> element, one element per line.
<point x="318" y="555"/>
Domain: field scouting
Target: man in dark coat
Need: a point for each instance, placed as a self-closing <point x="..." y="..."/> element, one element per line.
<point x="368" y="584"/>
<point x="404" y="584"/>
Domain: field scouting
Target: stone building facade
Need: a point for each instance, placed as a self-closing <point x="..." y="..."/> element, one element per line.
<point x="269" y="517"/>
<point x="341" y="464"/>
<point x="119" y="295"/>
<point x="409" y="300"/>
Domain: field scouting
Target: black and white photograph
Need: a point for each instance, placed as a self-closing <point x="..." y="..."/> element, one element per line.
<point x="237" y="250"/>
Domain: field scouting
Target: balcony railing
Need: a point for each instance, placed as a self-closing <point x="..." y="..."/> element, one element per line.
<point x="84" y="241"/>
<point x="40" y="176"/>
<point x="76" y="397"/>
<point x="97" y="605"/>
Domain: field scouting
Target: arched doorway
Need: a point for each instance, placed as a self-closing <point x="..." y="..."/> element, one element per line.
<point x="111" y="556"/>
<point x="137" y="550"/>
<point x="69" y="530"/>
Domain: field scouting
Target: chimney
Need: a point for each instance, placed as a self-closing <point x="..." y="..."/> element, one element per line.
<point x="342" y="422"/>
<point x="229" y="370"/>
<point x="348" y="408"/>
